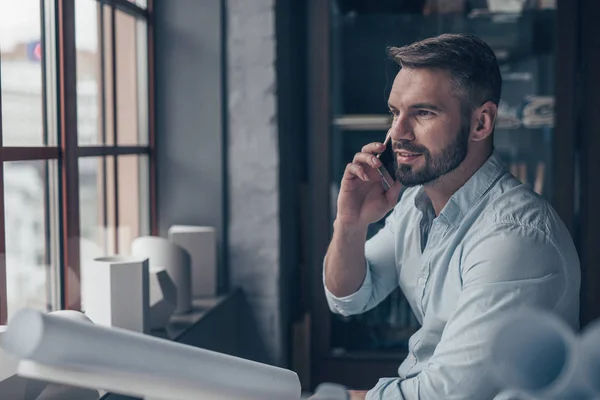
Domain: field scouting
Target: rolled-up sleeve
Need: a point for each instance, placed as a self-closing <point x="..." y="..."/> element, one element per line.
<point x="508" y="268"/>
<point x="381" y="276"/>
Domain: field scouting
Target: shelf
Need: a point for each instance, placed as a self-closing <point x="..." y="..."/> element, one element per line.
<point x="382" y="122"/>
<point x="363" y="122"/>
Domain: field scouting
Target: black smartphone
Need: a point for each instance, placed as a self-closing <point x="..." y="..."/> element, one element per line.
<point x="387" y="159"/>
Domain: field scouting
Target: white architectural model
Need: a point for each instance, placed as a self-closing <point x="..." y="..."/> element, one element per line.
<point x="164" y="254"/>
<point x="163" y="298"/>
<point x="116" y="291"/>
<point x="201" y="244"/>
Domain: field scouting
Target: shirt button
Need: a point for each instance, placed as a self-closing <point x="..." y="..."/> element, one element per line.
<point x="421" y="281"/>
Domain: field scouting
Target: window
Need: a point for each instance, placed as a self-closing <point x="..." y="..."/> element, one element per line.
<point x="76" y="143"/>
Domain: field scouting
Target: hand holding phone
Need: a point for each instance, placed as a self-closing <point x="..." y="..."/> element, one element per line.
<point x="362" y="200"/>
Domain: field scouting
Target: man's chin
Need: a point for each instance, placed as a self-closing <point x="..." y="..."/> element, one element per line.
<point x="410" y="177"/>
<point x="409" y="183"/>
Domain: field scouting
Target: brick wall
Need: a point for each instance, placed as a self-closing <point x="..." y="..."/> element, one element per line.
<point x="253" y="166"/>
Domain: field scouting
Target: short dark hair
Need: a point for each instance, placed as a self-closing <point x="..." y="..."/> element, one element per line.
<point x="469" y="60"/>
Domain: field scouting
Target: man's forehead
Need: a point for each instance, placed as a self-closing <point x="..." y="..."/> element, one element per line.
<point x="414" y="83"/>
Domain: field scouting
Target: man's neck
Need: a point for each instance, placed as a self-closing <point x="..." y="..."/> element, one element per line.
<point x="440" y="191"/>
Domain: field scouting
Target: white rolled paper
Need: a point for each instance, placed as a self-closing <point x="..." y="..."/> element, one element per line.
<point x="17" y="387"/>
<point x="536" y="354"/>
<point x="162" y="253"/>
<point x="72" y="314"/>
<point x="72" y="346"/>
<point x="201" y="244"/>
<point x="590" y="357"/>
<point x="514" y="395"/>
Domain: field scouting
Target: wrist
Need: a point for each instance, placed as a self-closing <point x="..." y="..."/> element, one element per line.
<point x="347" y="227"/>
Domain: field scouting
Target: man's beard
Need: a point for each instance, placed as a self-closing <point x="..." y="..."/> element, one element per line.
<point x="435" y="166"/>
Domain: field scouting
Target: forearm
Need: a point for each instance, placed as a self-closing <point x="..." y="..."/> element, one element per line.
<point x="345" y="264"/>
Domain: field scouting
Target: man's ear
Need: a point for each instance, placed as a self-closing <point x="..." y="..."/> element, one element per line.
<point x="483" y="120"/>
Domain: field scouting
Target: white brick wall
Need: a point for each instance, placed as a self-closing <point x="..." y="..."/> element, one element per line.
<point x="253" y="162"/>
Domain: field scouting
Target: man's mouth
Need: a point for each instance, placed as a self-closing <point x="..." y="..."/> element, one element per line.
<point x="405" y="157"/>
<point x="408" y="154"/>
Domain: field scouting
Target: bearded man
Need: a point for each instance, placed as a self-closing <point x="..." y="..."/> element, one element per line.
<point x="467" y="243"/>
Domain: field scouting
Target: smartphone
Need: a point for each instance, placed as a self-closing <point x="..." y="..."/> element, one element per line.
<point x="388" y="162"/>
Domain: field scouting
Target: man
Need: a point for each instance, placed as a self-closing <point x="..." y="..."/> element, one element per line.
<point x="467" y="243"/>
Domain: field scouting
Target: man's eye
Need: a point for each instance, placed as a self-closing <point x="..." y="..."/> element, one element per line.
<point x="424" y="113"/>
<point x="394" y="113"/>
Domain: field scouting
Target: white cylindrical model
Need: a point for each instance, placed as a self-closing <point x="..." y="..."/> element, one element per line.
<point x="177" y="371"/>
<point x="117" y="292"/>
<point x="201" y="244"/>
<point x="536" y="354"/>
<point x="164" y="254"/>
<point x="163" y="298"/>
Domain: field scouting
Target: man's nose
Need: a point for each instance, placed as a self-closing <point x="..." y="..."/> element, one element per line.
<point x="402" y="129"/>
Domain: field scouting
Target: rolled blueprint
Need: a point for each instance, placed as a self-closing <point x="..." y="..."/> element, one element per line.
<point x="536" y="354"/>
<point x="13" y="386"/>
<point x="8" y="363"/>
<point x="66" y="344"/>
<point x="514" y="395"/>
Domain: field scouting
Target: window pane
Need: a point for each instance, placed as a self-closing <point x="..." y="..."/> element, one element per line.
<point x="128" y="100"/>
<point x="21" y="52"/>
<point x="92" y="208"/>
<point x="134" y="200"/>
<point x="31" y="234"/>
<point x="95" y="233"/>
<point x="95" y="71"/>
<point x="142" y="81"/>
<point x="108" y="74"/>
<point x="97" y="211"/>
<point x="89" y="72"/>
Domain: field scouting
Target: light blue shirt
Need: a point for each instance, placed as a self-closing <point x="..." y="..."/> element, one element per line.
<point x="496" y="246"/>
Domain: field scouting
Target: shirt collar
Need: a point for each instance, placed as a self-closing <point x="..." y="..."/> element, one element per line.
<point x="465" y="197"/>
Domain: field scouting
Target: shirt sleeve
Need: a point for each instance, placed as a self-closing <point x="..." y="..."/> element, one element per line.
<point x="381" y="276"/>
<point x="508" y="268"/>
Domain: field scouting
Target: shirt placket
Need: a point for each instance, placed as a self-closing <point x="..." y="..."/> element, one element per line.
<point x="421" y="286"/>
<point x="426" y="266"/>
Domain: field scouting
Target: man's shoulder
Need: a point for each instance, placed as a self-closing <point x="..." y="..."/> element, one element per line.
<point x="515" y="210"/>
<point x="513" y="204"/>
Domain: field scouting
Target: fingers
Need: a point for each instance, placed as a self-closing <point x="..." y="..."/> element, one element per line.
<point x="373" y="148"/>
<point x="359" y="168"/>
<point x="367" y="158"/>
<point x="356" y="170"/>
